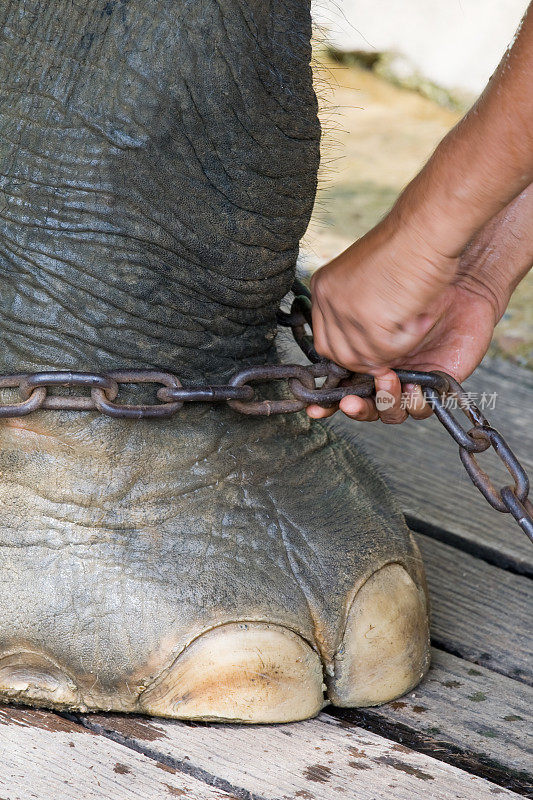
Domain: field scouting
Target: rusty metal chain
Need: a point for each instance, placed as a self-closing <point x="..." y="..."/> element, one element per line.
<point x="321" y="382"/>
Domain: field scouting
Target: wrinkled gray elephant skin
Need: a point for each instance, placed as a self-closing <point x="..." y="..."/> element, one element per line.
<point x="159" y="162"/>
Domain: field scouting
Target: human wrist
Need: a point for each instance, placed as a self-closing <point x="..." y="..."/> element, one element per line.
<point x="501" y="253"/>
<point x="496" y="280"/>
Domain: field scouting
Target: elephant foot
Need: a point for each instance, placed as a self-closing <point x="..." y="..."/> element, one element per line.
<point x="211" y="568"/>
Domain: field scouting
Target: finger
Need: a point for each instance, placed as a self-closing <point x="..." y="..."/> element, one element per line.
<point x="318" y="412"/>
<point x="344" y="351"/>
<point x="328" y="339"/>
<point x="359" y="408"/>
<point x="389" y="398"/>
<point x="416" y="404"/>
<point x="320" y="339"/>
<point x="331" y="341"/>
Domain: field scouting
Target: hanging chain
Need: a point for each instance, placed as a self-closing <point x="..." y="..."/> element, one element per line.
<point x="322" y="382"/>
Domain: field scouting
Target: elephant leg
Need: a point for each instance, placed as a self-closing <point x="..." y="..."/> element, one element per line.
<point x="159" y="162"/>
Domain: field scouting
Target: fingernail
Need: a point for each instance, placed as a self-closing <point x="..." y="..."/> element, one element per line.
<point x="350" y="405"/>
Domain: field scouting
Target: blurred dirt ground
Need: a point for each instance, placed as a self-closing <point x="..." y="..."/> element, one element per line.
<point x="376" y="138"/>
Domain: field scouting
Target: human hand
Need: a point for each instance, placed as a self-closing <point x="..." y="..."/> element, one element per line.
<point x="371" y="304"/>
<point x="451" y="333"/>
<point x="464" y="322"/>
<point x="370" y="310"/>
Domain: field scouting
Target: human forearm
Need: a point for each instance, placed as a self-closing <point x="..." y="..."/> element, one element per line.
<point x="484" y="162"/>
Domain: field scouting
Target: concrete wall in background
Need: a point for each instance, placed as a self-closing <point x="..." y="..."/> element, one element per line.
<point x="455" y="43"/>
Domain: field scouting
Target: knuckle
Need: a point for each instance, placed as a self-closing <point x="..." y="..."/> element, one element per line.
<point x="318" y="290"/>
<point x="322" y="347"/>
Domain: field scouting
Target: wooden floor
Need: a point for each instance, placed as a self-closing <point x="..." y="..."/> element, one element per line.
<point x="464" y="733"/>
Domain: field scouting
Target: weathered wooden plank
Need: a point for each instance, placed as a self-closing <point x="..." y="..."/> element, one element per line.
<point x="468" y="716"/>
<point x="479" y="611"/>
<point x="45" y="756"/>
<point x="422" y="464"/>
<point x="321" y="758"/>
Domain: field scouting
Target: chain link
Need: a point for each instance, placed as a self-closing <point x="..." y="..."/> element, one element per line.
<point x="321" y="382"/>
